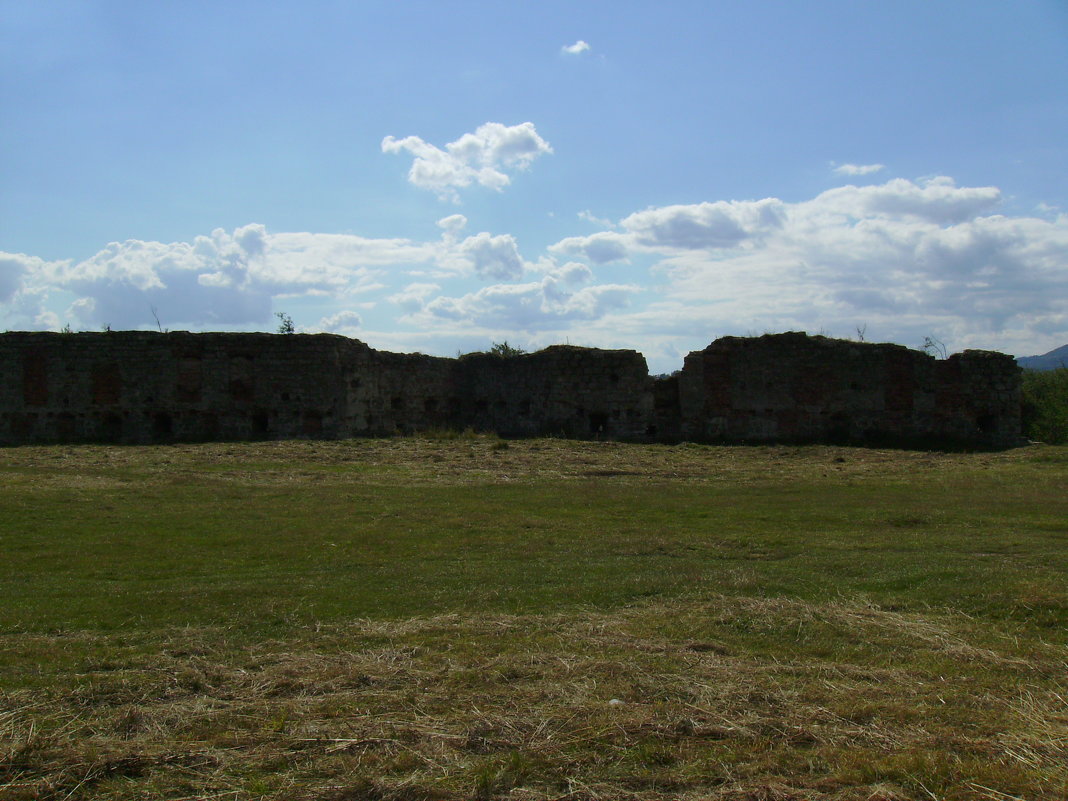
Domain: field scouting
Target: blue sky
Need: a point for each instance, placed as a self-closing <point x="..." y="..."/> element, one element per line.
<point x="436" y="176"/>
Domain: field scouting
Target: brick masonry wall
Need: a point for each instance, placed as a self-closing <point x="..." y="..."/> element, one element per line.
<point x="139" y="387"/>
<point x="792" y="387"/>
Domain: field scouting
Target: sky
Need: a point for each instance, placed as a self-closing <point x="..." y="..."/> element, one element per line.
<point x="438" y="177"/>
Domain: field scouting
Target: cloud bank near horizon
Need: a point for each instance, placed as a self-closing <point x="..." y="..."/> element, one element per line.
<point x="903" y="259"/>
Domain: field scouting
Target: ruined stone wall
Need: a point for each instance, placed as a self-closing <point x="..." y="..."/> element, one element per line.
<point x="562" y="390"/>
<point x="792" y="387"/>
<point x="141" y="387"/>
<point x="149" y="387"/>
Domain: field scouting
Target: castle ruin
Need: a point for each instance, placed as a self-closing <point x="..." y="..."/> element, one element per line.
<point x="144" y="387"/>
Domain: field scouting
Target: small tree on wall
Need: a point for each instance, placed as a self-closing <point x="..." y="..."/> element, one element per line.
<point x="285" y="323"/>
<point x="934" y="347"/>
<point x="504" y="350"/>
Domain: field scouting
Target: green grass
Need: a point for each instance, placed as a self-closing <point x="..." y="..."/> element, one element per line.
<point x="419" y="618"/>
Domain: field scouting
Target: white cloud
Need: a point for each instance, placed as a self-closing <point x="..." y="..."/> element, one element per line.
<point x="453" y="224"/>
<point x="530" y="306"/>
<point x="344" y="322"/>
<point x="13" y="268"/>
<point x="938" y="200"/>
<point x="571" y="273"/>
<point x="414" y="296"/>
<point x="588" y="216"/>
<point x="578" y="47"/>
<point x="600" y="248"/>
<point x="858" y="169"/>
<point x="487" y="256"/>
<point x="222" y="279"/>
<point x="907" y="259"/>
<point x="723" y="224"/>
<point x="705" y="225"/>
<point x="482" y="157"/>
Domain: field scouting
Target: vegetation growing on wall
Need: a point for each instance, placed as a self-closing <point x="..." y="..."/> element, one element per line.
<point x="1045" y="405"/>
<point x="285" y="323"/>
<point x="504" y="350"/>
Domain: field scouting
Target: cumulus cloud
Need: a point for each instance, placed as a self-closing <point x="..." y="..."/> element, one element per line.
<point x="600" y="248"/>
<point x="904" y="258"/>
<point x="722" y="224"/>
<point x="705" y="225"/>
<point x="487" y="256"/>
<point x="453" y="224"/>
<point x="344" y="322"/>
<point x="571" y="272"/>
<point x="221" y="279"/>
<point x="578" y="47"/>
<point x="484" y="157"/>
<point x="529" y="306"/>
<point x="908" y="258"/>
<point x="938" y="200"/>
<point x="858" y="169"/>
<point x="13" y="267"/>
<point x="414" y="296"/>
<point x="24" y="282"/>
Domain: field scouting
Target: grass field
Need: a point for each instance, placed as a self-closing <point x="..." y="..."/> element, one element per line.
<point x="464" y="617"/>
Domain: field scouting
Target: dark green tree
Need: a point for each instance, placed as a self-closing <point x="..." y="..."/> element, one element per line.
<point x="1044" y="411"/>
<point x="505" y="351"/>
<point x="285" y="323"/>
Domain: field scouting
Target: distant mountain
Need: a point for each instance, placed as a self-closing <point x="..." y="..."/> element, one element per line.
<point x="1050" y="361"/>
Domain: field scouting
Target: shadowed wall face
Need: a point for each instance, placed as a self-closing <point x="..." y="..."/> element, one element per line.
<point x="792" y="387"/>
<point x="149" y="387"/>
